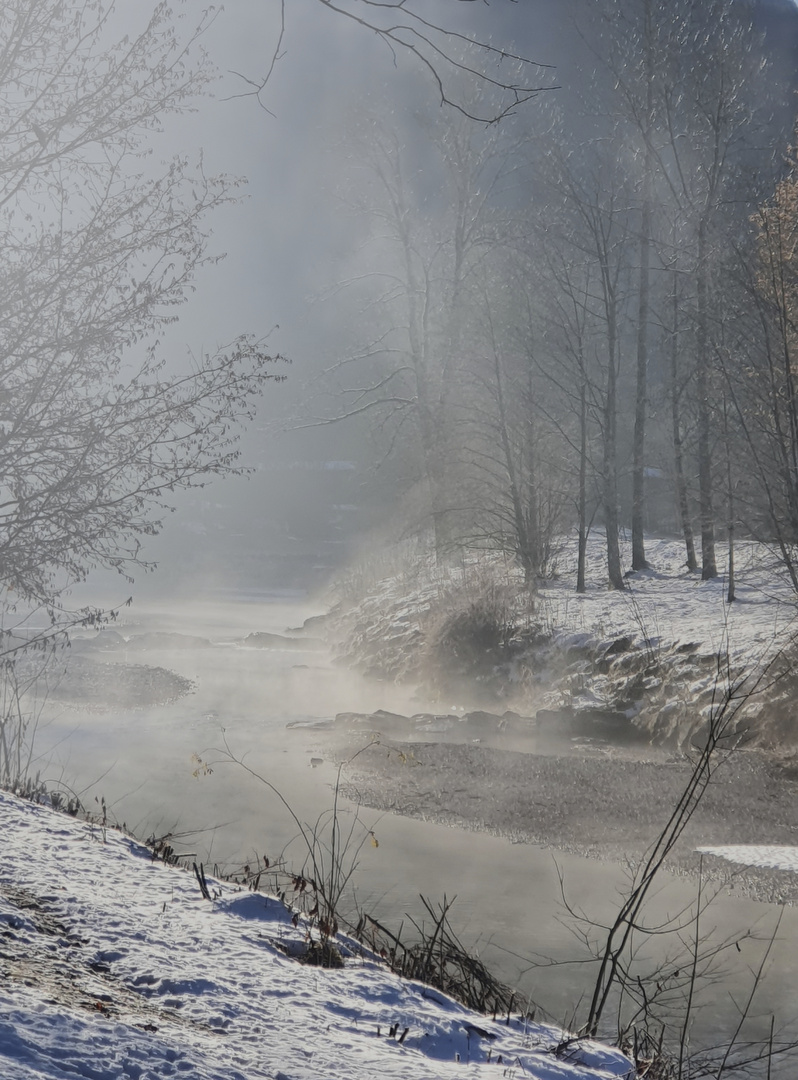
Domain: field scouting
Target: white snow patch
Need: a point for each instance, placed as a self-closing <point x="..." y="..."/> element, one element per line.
<point x="668" y="603"/>
<point x="768" y="856"/>
<point x="115" y="968"/>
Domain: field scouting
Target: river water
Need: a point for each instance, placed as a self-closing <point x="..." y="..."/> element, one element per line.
<point x="509" y="906"/>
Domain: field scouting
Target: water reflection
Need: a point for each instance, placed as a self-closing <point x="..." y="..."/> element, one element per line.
<point x="508" y="895"/>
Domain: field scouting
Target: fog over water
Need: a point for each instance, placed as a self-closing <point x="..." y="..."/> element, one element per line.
<point x="509" y="896"/>
<point x="255" y="554"/>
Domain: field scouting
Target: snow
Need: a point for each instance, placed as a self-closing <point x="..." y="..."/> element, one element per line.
<point x="660" y="606"/>
<point x="115" y="967"/>
<point x="768" y="856"/>
<point x="668" y="603"/>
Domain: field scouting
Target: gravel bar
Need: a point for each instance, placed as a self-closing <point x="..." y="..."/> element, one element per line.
<point x="601" y="803"/>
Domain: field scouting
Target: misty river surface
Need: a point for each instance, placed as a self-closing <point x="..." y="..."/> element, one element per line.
<point x="143" y="761"/>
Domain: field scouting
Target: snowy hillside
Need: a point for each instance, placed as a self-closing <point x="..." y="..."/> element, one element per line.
<point x="647" y="655"/>
<point x="115" y="967"/>
<point x="668" y="603"/>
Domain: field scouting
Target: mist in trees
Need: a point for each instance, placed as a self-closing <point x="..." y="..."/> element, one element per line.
<point x="100" y="246"/>
<point x="574" y="314"/>
<point x="583" y="316"/>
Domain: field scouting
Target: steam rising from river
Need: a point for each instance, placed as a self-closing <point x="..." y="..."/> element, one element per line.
<point x="140" y="756"/>
<point x="140" y="760"/>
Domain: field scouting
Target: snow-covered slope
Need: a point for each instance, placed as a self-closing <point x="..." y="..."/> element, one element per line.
<point x="115" y="967"/>
<point x="662" y="605"/>
<point x="655" y="653"/>
<point x="668" y="603"/>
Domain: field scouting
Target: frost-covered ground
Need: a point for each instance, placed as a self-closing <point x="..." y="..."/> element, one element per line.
<point x="115" y="967"/>
<point x="668" y="603"/>
<point x="649" y="653"/>
<point x="662" y="605"/>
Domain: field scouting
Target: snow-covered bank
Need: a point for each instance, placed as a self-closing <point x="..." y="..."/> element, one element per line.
<point x="668" y="603"/>
<point x="654" y="658"/>
<point x="115" y="967"/>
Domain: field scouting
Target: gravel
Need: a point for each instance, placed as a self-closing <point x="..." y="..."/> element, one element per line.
<point x="598" y="802"/>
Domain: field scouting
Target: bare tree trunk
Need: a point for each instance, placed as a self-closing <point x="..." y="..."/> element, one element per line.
<point x="582" y="553"/>
<point x="439" y="513"/>
<point x="678" y="458"/>
<point x="707" y="514"/>
<point x="730" y="594"/>
<point x="522" y="538"/>
<point x="432" y="462"/>
<point x="639" y="448"/>
<point x="611" y="460"/>
<point x="644" y="294"/>
<point x="430" y="420"/>
<point x="534" y="539"/>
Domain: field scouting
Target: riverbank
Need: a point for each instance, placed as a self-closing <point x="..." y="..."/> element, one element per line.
<point x="115" y="966"/>
<point x="598" y="802"/>
<point x="275" y="706"/>
<point x="654" y="661"/>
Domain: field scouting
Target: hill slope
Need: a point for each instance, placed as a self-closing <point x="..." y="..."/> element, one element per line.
<point x="115" y="967"/>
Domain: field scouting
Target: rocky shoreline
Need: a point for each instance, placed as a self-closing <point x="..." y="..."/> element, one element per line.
<point x="597" y="801"/>
<point x="595" y="703"/>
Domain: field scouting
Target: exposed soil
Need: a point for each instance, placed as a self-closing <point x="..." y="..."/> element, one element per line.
<point x="600" y="802"/>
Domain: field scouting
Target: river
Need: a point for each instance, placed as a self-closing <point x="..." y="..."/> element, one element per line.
<point x="143" y="761"/>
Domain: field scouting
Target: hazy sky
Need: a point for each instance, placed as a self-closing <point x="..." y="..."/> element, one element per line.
<point x="282" y="242"/>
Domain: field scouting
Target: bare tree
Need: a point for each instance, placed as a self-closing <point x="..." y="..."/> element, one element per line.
<point x="590" y="183"/>
<point x="518" y="473"/>
<point x="677" y="94"/>
<point x="500" y="81"/>
<point x="677" y="387"/>
<point x="566" y="364"/>
<point x="760" y="370"/>
<point x="629" y="35"/>
<point x="420" y="269"/>
<point x="706" y="110"/>
<point x="98" y="247"/>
